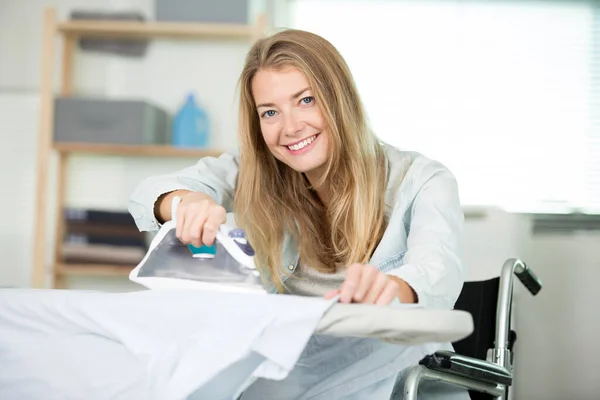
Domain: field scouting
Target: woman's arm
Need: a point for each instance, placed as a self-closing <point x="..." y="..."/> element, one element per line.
<point x="430" y="272"/>
<point x="431" y="266"/>
<point x="215" y="177"/>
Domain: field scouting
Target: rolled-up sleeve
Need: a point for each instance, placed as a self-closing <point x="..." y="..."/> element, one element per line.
<point x="432" y="264"/>
<point x="214" y="176"/>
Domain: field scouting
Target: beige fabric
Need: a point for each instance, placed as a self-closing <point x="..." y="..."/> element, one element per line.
<point x="405" y="325"/>
<point x="307" y="281"/>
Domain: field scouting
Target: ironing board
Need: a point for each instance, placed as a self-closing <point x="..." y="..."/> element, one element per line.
<point x="399" y="325"/>
<point x="73" y="343"/>
<point x="395" y="323"/>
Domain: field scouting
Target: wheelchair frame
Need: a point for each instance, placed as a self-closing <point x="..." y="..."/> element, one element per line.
<point x="475" y="374"/>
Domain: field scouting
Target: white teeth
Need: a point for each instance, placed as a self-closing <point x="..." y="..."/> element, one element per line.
<point x="302" y="144"/>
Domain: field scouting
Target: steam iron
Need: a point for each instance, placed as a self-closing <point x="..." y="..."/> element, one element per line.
<point x="227" y="265"/>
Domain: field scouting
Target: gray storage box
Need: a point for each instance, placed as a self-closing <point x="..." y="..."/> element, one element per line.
<point x="223" y="11"/>
<point x="120" y="46"/>
<point x="92" y="120"/>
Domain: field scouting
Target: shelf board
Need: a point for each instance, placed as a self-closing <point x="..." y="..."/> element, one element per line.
<point x="93" y="270"/>
<point x="132" y="29"/>
<point x="134" y="150"/>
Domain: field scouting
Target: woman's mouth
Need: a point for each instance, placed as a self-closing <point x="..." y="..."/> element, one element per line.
<point x="303" y="146"/>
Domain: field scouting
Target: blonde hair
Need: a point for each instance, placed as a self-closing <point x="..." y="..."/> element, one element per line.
<point x="272" y="198"/>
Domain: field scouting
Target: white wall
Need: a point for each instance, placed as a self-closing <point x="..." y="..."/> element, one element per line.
<point x="490" y="237"/>
<point x="557" y="348"/>
<point x="17" y="185"/>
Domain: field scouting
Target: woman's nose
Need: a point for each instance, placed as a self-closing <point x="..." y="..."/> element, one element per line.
<point x="292" y="125"/>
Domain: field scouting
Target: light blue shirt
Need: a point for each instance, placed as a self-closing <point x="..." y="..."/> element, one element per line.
<point x="420" y="245"/>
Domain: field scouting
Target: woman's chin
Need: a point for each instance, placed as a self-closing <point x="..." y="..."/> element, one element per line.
<point x="305" y="165"/>
<point x="313" y="172"/>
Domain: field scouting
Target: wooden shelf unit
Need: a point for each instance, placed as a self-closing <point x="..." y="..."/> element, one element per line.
<point x="138" y="30"/>
<point x="70" y="32"/>
<point x="132" y="150"/>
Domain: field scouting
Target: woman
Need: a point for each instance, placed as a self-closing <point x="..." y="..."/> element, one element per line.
<point x="328" y="208"/>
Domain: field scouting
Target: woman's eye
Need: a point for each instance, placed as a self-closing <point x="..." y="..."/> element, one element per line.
<point x="307" y="100"/>
<point x="268" y="114"/>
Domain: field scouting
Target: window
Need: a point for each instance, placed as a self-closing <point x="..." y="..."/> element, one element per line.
<point x="499" y="91"/>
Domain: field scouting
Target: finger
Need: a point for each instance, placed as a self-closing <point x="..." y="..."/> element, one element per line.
<point x="388" y="294"/>
<point x="216" y="217"/>
<point x="367" y="277"/>
<point x="379" y="284"/>
<point x="195" y="218"/>
<point x="350" y="283"/>
<point x="180" y="222"/>
<point x="195" y="228"/>
<point x="331" y="294"/>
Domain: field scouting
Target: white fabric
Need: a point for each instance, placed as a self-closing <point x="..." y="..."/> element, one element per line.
<point x="149" y="344"/>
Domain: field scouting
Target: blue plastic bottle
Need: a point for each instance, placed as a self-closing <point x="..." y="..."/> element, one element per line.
<point x="190" y="125"/>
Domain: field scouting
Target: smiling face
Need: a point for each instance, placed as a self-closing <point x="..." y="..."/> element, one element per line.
<point x="291" y="121"/>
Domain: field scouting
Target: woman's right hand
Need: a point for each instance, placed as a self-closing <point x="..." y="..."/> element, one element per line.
<point x="198" y="219"/>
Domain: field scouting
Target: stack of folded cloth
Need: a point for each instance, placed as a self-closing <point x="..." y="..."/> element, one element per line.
<point x="102" y="237"/>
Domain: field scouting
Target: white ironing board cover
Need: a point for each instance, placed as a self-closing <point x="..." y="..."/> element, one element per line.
<point x="396" y="324"/>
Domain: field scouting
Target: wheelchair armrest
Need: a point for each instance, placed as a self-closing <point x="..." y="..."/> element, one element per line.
<point x="467" y="367"/>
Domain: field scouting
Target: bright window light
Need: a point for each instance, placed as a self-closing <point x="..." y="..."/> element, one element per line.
<point x="499" y="91"/>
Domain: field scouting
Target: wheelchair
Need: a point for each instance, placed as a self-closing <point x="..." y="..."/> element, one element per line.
<point x="482" y="362"/>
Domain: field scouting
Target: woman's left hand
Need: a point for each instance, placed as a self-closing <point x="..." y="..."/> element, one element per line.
<point x="366" y="284"/>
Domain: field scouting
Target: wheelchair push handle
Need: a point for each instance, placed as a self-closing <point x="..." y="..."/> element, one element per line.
<point x="529" y="280"/>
